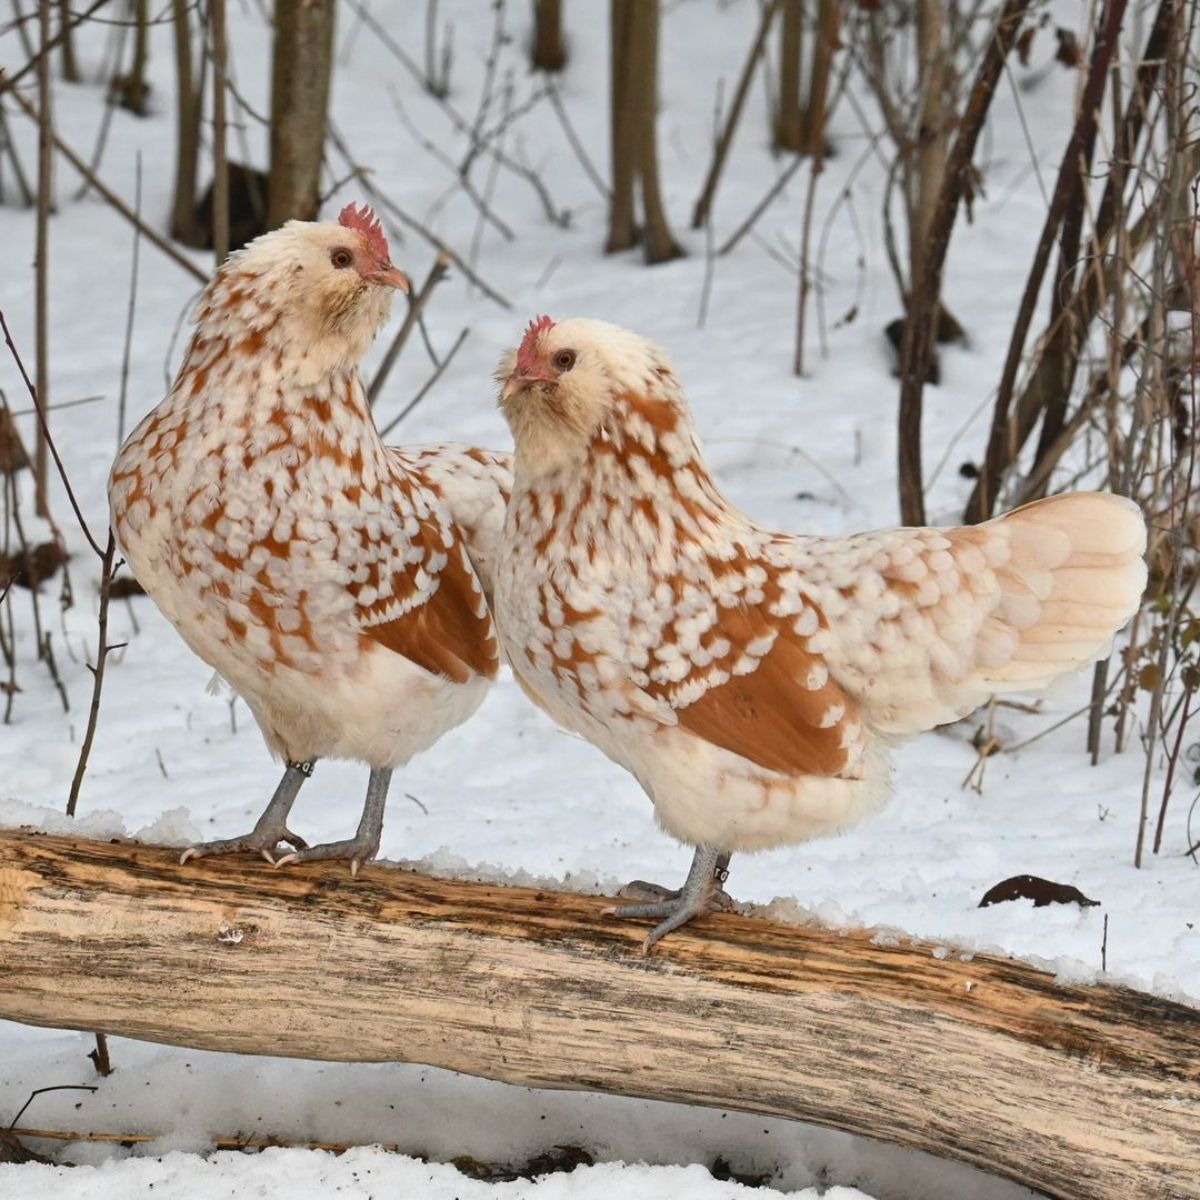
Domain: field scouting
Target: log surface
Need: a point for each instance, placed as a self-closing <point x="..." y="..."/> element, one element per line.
<point x="1082" y="1092"/>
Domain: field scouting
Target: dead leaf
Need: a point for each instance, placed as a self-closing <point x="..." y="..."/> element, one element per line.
<point x="1041" y="891"/>
<point x="1068" y="52"/>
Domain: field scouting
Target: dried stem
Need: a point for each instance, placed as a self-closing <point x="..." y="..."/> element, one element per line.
<point x="100" y="1057"/>
<point x="463" y="180"/>
<point x="37" y="403"/>
<point x="219" y="1143"/>
<point x="9" y="149"/>
<point x="127" y="351"/>
<point x="42" y="294"/>
<point x="459" y="121"/>
<point x="102" y="650"/>
<point x="1065" y="198"/>
<point x="783" y="179"/>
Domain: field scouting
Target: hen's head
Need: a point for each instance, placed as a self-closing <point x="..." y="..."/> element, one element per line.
<point x="569" y="381"/>
<point x="328" y="284"/>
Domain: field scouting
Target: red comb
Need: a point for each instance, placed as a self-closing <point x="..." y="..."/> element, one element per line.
<point x="527" y="354"/>
<point x="361" y="219"/>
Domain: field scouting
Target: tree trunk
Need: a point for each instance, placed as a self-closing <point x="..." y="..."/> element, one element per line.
<point x="70" y="65"/>
<point x="659" y="242"/>
<point x="132" y="88"/>
<point x="301" y="72"/>
<point x="549" y="52"/>
<point x="789" y="117"/>
<point x="189" y="101"/>
<point x="825" y="42"/>
<point x="1081" y="1092"/>
<point x="622" y="233"/>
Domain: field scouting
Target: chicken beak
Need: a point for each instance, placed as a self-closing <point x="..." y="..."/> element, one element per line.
<point x="512" y="385"/>
<point x="393" y="277"/>
<point x="524" y="378"/>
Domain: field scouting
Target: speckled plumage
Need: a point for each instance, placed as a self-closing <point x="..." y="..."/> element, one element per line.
<point x="322" y="574"/>
<point x="752" y="680"/>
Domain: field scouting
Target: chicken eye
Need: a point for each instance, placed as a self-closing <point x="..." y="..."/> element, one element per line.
<point x="341" y="258"/>
<point x="564" y="360"/>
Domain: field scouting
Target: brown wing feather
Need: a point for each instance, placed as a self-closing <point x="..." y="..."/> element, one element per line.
<point x="451" y="634"/>
<point x="784" y="712"/>
<point x="772" y="718"/>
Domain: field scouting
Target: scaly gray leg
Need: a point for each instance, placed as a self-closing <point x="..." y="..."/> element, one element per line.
<point x="365" y="843"/>
<point x="700" y="893"/>
<point x="271" y="828"/>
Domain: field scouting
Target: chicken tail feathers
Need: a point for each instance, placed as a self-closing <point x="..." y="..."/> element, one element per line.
<point x="1073" y="577"/>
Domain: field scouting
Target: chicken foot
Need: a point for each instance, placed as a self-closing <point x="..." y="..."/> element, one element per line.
<point x="365" y="844"/>
<point x="701" y="893"/>
<point x="271" y="828"/>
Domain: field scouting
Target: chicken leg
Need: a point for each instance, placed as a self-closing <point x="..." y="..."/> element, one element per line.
<point x="364" y="845"/>
<point x="271" y="828"/>
<point x="701" y="893"/>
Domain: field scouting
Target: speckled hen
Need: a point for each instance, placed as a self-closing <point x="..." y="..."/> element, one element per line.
<point x="751" y="680"/>
<point x="323" y="575"/>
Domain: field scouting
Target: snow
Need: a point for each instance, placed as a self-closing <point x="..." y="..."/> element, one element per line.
<point x="508" y="796"/>
<point x="367" y="1172"/>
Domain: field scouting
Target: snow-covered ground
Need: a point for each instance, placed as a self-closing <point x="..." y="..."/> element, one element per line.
<point x="509" y="790"/>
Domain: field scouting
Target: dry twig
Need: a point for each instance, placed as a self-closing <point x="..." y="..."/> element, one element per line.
<point x="416" y="306"/>
<point x="115" y="201"/>
<point x="437" y="374"/>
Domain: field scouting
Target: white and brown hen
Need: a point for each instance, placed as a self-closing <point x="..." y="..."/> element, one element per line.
<point x="321" y="574"/>
<point x="751" y="681"/>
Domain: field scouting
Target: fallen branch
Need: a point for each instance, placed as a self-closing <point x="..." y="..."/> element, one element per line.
<point x="1081" y="1092"/>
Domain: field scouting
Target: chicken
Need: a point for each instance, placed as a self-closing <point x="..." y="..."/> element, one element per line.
<point x="474" y="484"/>
<point x="321" y="574"/>
<point x="752" y="681"/>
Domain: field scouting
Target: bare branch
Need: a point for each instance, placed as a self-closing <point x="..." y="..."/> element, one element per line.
<point x="437" y="374"/>
<point x="926" y="292"/>
<point x="62" y="472"/>
<point x="721" y="150"/>
<point x="115" y="201"/>
<point x="416" y="306"/>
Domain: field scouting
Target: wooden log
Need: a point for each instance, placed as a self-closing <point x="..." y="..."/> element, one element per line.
<point x="1083" y="1092"/>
